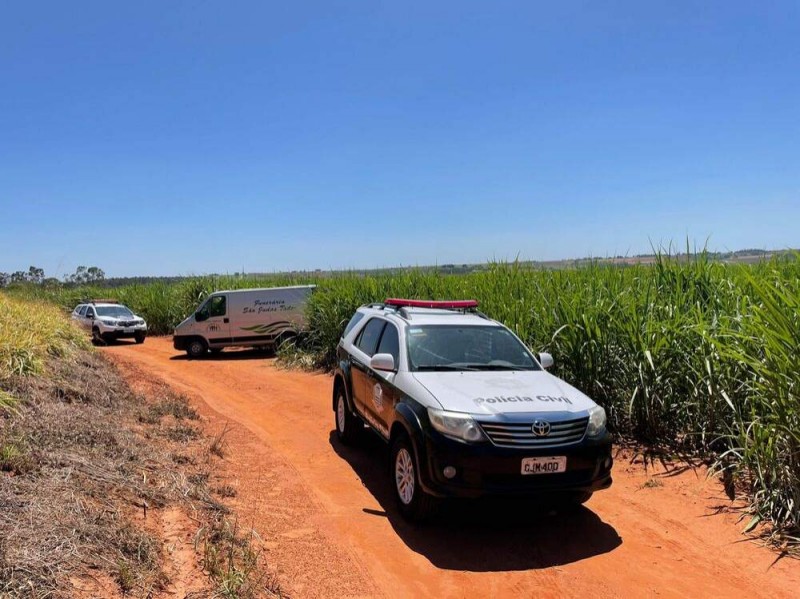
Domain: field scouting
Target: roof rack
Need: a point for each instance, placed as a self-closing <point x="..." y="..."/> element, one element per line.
<point x="103" y="301"/>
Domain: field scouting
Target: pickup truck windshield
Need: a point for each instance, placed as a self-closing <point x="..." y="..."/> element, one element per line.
<point x="114" y="311"/>
<point x="452" y="347"/>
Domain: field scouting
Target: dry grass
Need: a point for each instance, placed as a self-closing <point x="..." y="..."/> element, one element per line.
<point x="82" y="459"/>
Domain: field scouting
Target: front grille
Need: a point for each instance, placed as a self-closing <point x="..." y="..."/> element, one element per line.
<point x="520" y="434"/>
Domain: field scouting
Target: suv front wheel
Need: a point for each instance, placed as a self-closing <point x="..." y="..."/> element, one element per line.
<point x="414" y="503"/>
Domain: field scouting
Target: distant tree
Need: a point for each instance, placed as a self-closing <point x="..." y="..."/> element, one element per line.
<point x="4" y="279"/>
<point x="19" y="277"/>
<point x="84" y="275"/>
<point x="94" y="274"/>
<point x="35" y="274"/>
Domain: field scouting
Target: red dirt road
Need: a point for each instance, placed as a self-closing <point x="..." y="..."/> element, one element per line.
<point x="326" y="512"/>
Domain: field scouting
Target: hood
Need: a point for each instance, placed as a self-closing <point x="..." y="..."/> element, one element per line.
<point x="121" y="318"/>
<point x="503" y="392"/>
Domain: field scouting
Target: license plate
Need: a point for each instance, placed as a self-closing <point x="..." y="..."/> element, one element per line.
<point x="127" y="330"/>
<point x="548" y="465"/>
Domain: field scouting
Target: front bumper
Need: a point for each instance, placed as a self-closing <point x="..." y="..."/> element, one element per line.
<point x="485" y="469"/>
<point x="123" y="332"/>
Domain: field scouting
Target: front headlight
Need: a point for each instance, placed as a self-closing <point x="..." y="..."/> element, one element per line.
<point x="108" y="323"/>
<point x="456" y="425"/>
<point x="597" y="422"/>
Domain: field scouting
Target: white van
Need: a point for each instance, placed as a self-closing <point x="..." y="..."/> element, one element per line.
<point x="244" y="318"/>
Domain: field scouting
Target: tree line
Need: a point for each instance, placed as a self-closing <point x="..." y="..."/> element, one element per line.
<point x="35" y="276"/>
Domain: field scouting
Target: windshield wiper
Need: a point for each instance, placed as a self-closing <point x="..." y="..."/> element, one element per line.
<point x="498" y="367"/>
<point x="452" y="366"/>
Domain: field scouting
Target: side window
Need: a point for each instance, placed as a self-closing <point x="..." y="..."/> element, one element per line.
<point x="82" y="310"/>
<point x="390" y="343"/>
<point x="89" y="312"/>
<point x="368" y="339"/>
<point x="357" y="317"/>
<point x="216" y="306"/>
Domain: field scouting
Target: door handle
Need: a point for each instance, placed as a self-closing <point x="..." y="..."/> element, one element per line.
<point x="226" y="320"/>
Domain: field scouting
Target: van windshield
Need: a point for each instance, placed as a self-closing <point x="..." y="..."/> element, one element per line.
<point x="453" y="347"/>
<point x="114" y="311"/>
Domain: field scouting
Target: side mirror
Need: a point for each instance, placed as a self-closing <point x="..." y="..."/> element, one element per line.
<point x="200" y="316"/>
<point x="546" y="360"/>
<point x="383" y="362"/>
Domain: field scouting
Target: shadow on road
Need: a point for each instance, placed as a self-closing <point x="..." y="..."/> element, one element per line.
<point x="229" y="355"/>
<point x="483" y="535"/>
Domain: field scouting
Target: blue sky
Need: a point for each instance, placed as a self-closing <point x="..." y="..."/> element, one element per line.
<point x="160" y="138"/>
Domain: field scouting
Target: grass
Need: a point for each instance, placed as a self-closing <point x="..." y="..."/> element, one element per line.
<point x="30" y="333"/>
<point x="83" y="458"/>
<point x="689" y="354"/>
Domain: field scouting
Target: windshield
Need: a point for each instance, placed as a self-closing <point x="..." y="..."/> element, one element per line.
<point x="114" y="311"/>
<point x="451" y="347"/>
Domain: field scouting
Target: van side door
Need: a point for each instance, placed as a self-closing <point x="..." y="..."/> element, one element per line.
<point x="216" y="323"/>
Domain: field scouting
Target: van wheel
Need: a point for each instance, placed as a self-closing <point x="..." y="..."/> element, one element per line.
<point x="415" y="504"/>
<point x="196" y="348"/>
<point x="348" y="426"/>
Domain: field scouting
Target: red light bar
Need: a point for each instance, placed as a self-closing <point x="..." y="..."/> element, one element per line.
<point x="451" y="304"/>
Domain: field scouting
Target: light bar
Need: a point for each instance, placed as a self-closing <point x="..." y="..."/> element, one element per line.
<point x="450" y="304"/>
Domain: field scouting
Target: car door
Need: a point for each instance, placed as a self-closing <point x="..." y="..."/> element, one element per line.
<point x="381" y="392"/>
<point x="363" y="349"/>
<point x="217" y="325"/>
<point x="88" y="316"/>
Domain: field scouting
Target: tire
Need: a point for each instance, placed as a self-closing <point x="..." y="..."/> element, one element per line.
<point x="413" y="502"/>
<point x="97" y="337"/>
<point x="196" y="348"/>
<point x="139" y="338"/>
<point x="348" y="425"/>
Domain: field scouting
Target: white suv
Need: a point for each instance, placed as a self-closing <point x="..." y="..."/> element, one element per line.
<point x="109" y="321"/>
<point x="466" y="408"/>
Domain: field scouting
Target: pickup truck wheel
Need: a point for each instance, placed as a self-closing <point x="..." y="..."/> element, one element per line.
<point x="348" y="426"/>
<point x="415" y="504"/>
<point x="196" y="348"/>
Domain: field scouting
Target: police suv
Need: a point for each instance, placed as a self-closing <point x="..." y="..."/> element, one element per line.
<point x="466" y="408"/>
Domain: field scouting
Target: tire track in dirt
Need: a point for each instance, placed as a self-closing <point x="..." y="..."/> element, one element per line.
<point x="326" y="515"/>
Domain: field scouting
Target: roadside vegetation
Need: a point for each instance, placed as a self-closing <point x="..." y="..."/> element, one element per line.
<point x="686" y="355"/>
<point x="88" y="467"/>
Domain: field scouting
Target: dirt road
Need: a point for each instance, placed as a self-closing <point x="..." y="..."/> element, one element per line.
<point x="326" y="511"/>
